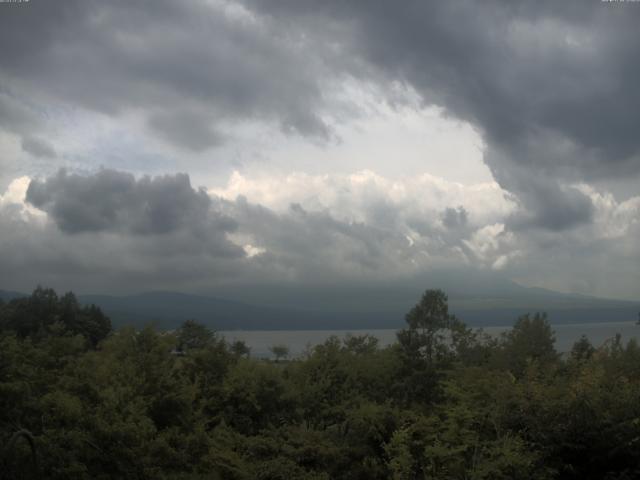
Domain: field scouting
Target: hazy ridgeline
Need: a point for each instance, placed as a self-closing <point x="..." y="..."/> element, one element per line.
<point x="80" y="400"/>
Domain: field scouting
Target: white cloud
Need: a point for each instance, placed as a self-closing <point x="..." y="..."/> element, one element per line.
<point x="359" y="195"/>
<point x="14" y="199"/>
<point x="253" y="251"/>
<point x="612" y="218"/>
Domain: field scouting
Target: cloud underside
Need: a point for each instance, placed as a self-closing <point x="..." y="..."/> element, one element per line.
<point x="112" y="230"/>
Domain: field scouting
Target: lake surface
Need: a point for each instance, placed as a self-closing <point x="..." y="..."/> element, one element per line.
<point x="300" y="340"/>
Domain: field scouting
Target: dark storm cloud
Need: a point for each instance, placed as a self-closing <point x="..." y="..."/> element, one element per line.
<point x="553" y="86"/>
<point x="108" y="261"/>
<point x="112" y="231"/>
<point x="116" y="201"/>
<point x="187" y="66"/>
<point x="548" y="204"/>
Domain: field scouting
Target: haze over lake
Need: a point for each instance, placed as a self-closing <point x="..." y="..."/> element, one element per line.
<point x="299" y="341"/>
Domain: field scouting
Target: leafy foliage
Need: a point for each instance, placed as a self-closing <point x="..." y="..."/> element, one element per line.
<point x="80" y="401"/>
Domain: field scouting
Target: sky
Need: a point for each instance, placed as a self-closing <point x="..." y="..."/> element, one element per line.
<point x="210" y="145"/>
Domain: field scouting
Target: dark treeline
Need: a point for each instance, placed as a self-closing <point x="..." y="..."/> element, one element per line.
<point x="80" y="401"/>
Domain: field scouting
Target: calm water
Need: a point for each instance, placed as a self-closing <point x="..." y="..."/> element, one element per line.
<point x="299" y="340"/>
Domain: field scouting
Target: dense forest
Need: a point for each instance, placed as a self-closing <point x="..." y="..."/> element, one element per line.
<point x="81" y="401"/>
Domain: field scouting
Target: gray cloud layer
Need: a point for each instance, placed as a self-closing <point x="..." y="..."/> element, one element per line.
<point x="552" y="85"/>
<point x="297" y="244"/>
<point x="187" y="66"/>
<point x="116" y="201"/>
<point x="111" y="231"/>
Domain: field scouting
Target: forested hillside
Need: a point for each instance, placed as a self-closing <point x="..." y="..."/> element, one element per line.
<point x="79" y="401"/>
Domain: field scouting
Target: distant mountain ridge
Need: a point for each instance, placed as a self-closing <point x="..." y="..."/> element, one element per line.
<point x="7" y="295"/>
<point x="168" y="310"/>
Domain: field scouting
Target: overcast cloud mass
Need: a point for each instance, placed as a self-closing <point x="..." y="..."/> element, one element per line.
<point x="207" y="145"/>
